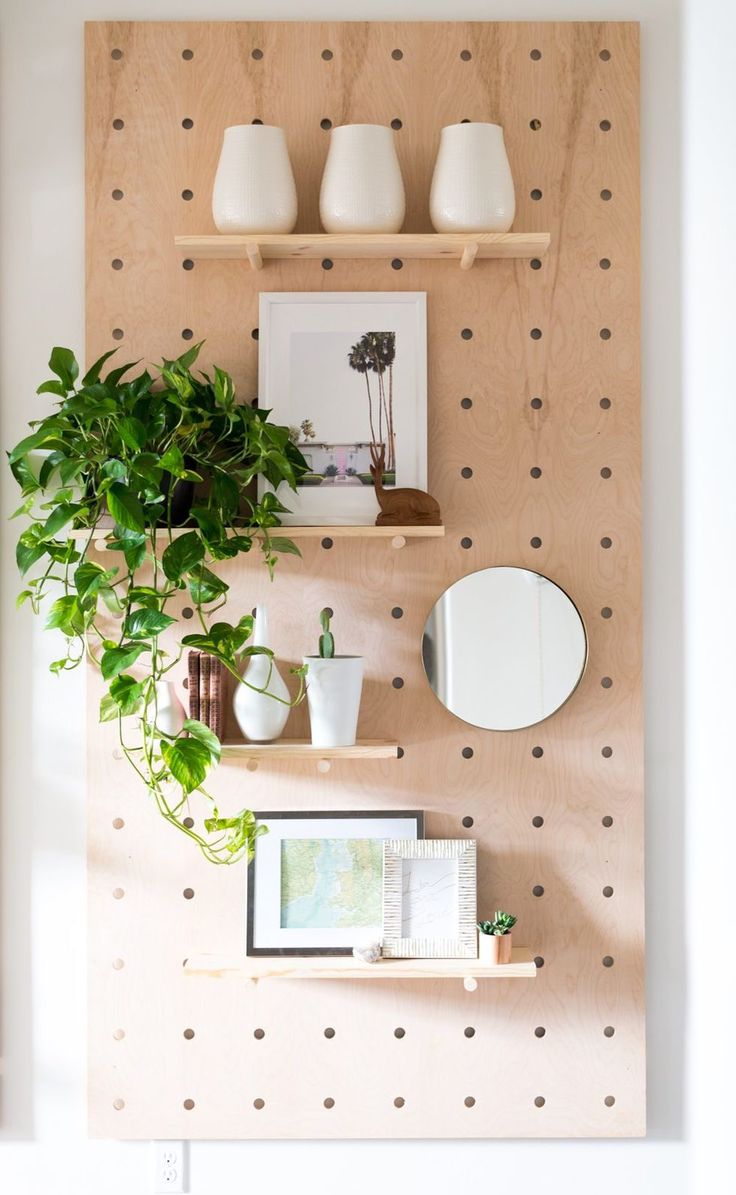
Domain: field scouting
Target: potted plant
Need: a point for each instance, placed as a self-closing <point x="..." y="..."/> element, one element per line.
<point x="494" y="938"/>
<point x="334" y="685"/>
<point x="116" y="449"/>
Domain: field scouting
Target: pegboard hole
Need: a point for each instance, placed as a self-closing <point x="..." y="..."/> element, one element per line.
<point x="536" y="404"/>
<point x="535" y="472"/>
<point x="396" y="124"/>
<point x="539" y="1101"/>
<point x="606" y="682"/>
<point x="400" y="752"/>
<point x="327" y="542"/>
<point x="466" y="472"/>
<point x="117" y="263"/>
<point x="537" y="822"/>
<point x="187" y="123"/>
<point x="187" y="194"/>
<point x="397" y="264"/>
<point x="254" y="333"/>
<point x="329" y="1032"/>
<point x="117" y="823"/>
<point x="466" y="403"/>
<point x="188" y="1104"/>
<point x="187" y="612"/>
<point x="188" y="893"/>
<point x="257" y="54"/>
<point x="117" y="334"/>
<point x="535" y="125"/>
<point x="467" y="752"/>
<point x="325" y="123"/>
<point x="607" y="891"/>
<point x="467" y="822"/>
<point x="467" y="333"/>
<point x="398" y="682"/>
<point x="607" y="960"/>
<point x="117" y="194"/>
<point x="259" y="1103"/>
<point x="188" y="1034"/>
<point x="466" y="542"/>
<point x="535" y="194"/>
<point x="187" y="55"/>
<point x="605" y="333"/>
<point x="397" y="55"/>
<point x="329" y="1102"/>
<point x="119" y="1034"/>
<point x="187" y="264"/>
<point x="116" y="54"/>
<point x="188" y="822"/>
<point x="605" y="55"/>
<point x="537" y="752"/>
<point x="536" y="333"/>
<point x="606" y="194"/>
<point x="118" y="124"/>
<point x="609" y="1101"/>
<point x="537" y="890"/>
<point x="469" y="1031"/>
<point x="118" y="893"/>
<point x="465" y="55"/>
<point x="609" y="1031"/>
<point x="606" y="612"/>
<point x="187" y="334"/>
<point x="607" y="821"/>
<point x="399" y="1101"/>
<point x="535" y="55"/>
<point x="327" y="263"/>
<point x="606" y="752"/>
<point x="605" y="126"/>
<point x="605" y="263"/>
<point x="606" y="541"/>
<point x="327" y="55"/>
<point x="535" y="263"/>
<point x="118" y="1105"/>
<point x="540" y="1031"/>
<point x="606" y="473"/>
<point x="605" y="404"/>
<point x="469" y="1101"/>
<point x="256" y="120"/>
<point x="538" y="961"/>
<point x="259" y="1034"/>
<point x="399" y="1032"/>
<point x="118" y="964"/>
<point x="397" y="612"/>
<point x="535" y="541"/>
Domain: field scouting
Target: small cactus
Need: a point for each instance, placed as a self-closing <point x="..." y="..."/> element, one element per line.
<point x="326" y="640"/>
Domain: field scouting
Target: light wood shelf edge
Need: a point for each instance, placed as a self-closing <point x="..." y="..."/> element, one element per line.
<point x="341" y="531"/>
<point x="522" y="966"/>
<point x="464" y="248"/>
<point x="303" y="749"/>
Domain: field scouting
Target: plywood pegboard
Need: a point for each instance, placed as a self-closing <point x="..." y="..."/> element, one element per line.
<point x="543" y="406"/>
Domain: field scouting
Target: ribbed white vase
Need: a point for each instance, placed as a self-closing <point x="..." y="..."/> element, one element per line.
<point x="472" y="188"/>
<point x="362" y="188"/>
<point x="254" y="186"/>
<point x="259" y="716"/>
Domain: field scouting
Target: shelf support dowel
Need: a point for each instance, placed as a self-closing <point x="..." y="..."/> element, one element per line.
<point x="398" y="541"/>
<point x="470" y="983"/>
<point x="470" y="252"/>
<point x="254" y="256"/>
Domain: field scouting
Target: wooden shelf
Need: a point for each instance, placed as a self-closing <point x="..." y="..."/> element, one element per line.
<point x="522" y="966"/>
<point x="303" y="749"/>
<point x="397" y="535"/>
<point x="463" y="247"/>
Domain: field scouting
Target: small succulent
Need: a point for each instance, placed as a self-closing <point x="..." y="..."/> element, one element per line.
<point x="502" y="923"/>
<point x="326" y="640"/>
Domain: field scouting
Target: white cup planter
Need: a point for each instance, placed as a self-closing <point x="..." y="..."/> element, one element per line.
<point x="472" y="188"/>
<point x="254" y="186"/>
<point x="334" y="687"/>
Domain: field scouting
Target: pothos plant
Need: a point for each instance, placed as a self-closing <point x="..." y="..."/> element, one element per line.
<point x="113" y="454"/>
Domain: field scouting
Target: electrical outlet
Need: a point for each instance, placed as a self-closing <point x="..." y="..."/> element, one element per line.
<point x="169" y="1166"/>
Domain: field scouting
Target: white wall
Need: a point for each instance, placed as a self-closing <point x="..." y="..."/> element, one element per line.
<point x="689" y="91"/>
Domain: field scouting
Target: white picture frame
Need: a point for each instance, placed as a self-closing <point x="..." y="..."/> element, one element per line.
<point x="269" y="932"/>
<point x="429" y="899"/>
<point x="311" y="379"/>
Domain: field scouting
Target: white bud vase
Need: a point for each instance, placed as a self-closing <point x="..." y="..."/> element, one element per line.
<point x="333" y="696"/>
<point x="362" y="188"/>
<point x="254" y="186"/>
<point x="261" y="718"/>
<point x="169" y="713"/>
<point x="472" y="188"/>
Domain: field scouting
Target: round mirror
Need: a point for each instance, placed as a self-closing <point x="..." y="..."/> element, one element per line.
<point x="504" y="648"/>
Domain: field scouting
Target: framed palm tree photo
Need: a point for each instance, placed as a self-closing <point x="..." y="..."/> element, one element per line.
<point x="347" y="374"/>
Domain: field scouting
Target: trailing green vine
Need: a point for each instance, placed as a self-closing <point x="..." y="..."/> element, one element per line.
<point x="115" y="458"/>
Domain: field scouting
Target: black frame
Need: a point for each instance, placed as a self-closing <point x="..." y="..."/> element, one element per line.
<point x="308" y="951"/>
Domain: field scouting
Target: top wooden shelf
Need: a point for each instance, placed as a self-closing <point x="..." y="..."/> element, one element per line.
<point x="397" y="535"/>
<point x="463" y="247"/>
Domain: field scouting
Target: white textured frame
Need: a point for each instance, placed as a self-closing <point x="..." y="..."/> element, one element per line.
<point x="395" y="851"/>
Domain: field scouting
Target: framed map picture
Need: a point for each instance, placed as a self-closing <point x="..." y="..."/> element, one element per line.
<point x="347" y="374"/>
<point x="316" y="883"/>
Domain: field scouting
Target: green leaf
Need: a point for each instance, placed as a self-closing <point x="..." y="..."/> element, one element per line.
<point x="146" y="465"/>
<point x="182" y="555"/>
<point x="205" y="586"/>
<point x="132" y="432"/>
<point x="89" y="577"/>
<point x="64" y="364"/>
<point x="44" y="437"/>
<point x="114" y="470"/>
<point x="208" y="521"/>
<point x="173" y="461"/>
<point x="123" y="699"/>
<point x="116" y="659"/>
<point x="63" y="514"/>
<point x="199" y="731"/>
<point x="52" y="387"/>
<point x="287" y="547"/>
<point x="66" y="615"/>
<point x="93" y="373"/>
<point x="125" y="508"/>
<point x="188" y="760"/>
<point x="27" y="555"/>
<point x="146" y="624"/>
<point x="23" y="597"/>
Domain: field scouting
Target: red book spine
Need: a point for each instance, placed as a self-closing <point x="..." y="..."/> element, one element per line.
<point x="193" y="685"/>
<point x="204" y="689"/>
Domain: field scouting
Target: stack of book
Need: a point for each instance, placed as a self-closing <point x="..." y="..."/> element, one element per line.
<point x="206" y="691"/>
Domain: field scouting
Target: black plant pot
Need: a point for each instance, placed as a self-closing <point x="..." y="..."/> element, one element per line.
<point x="182" y="498"/>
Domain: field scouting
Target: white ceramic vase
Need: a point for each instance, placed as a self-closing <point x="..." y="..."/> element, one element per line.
<point x="362" y="188"/>
<point x="254" y="186"/>
<point x="472" y="188"/>
<point x="333" y="696"/>
<point x="261" y="718"/>
<point x="170" y="713"/>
